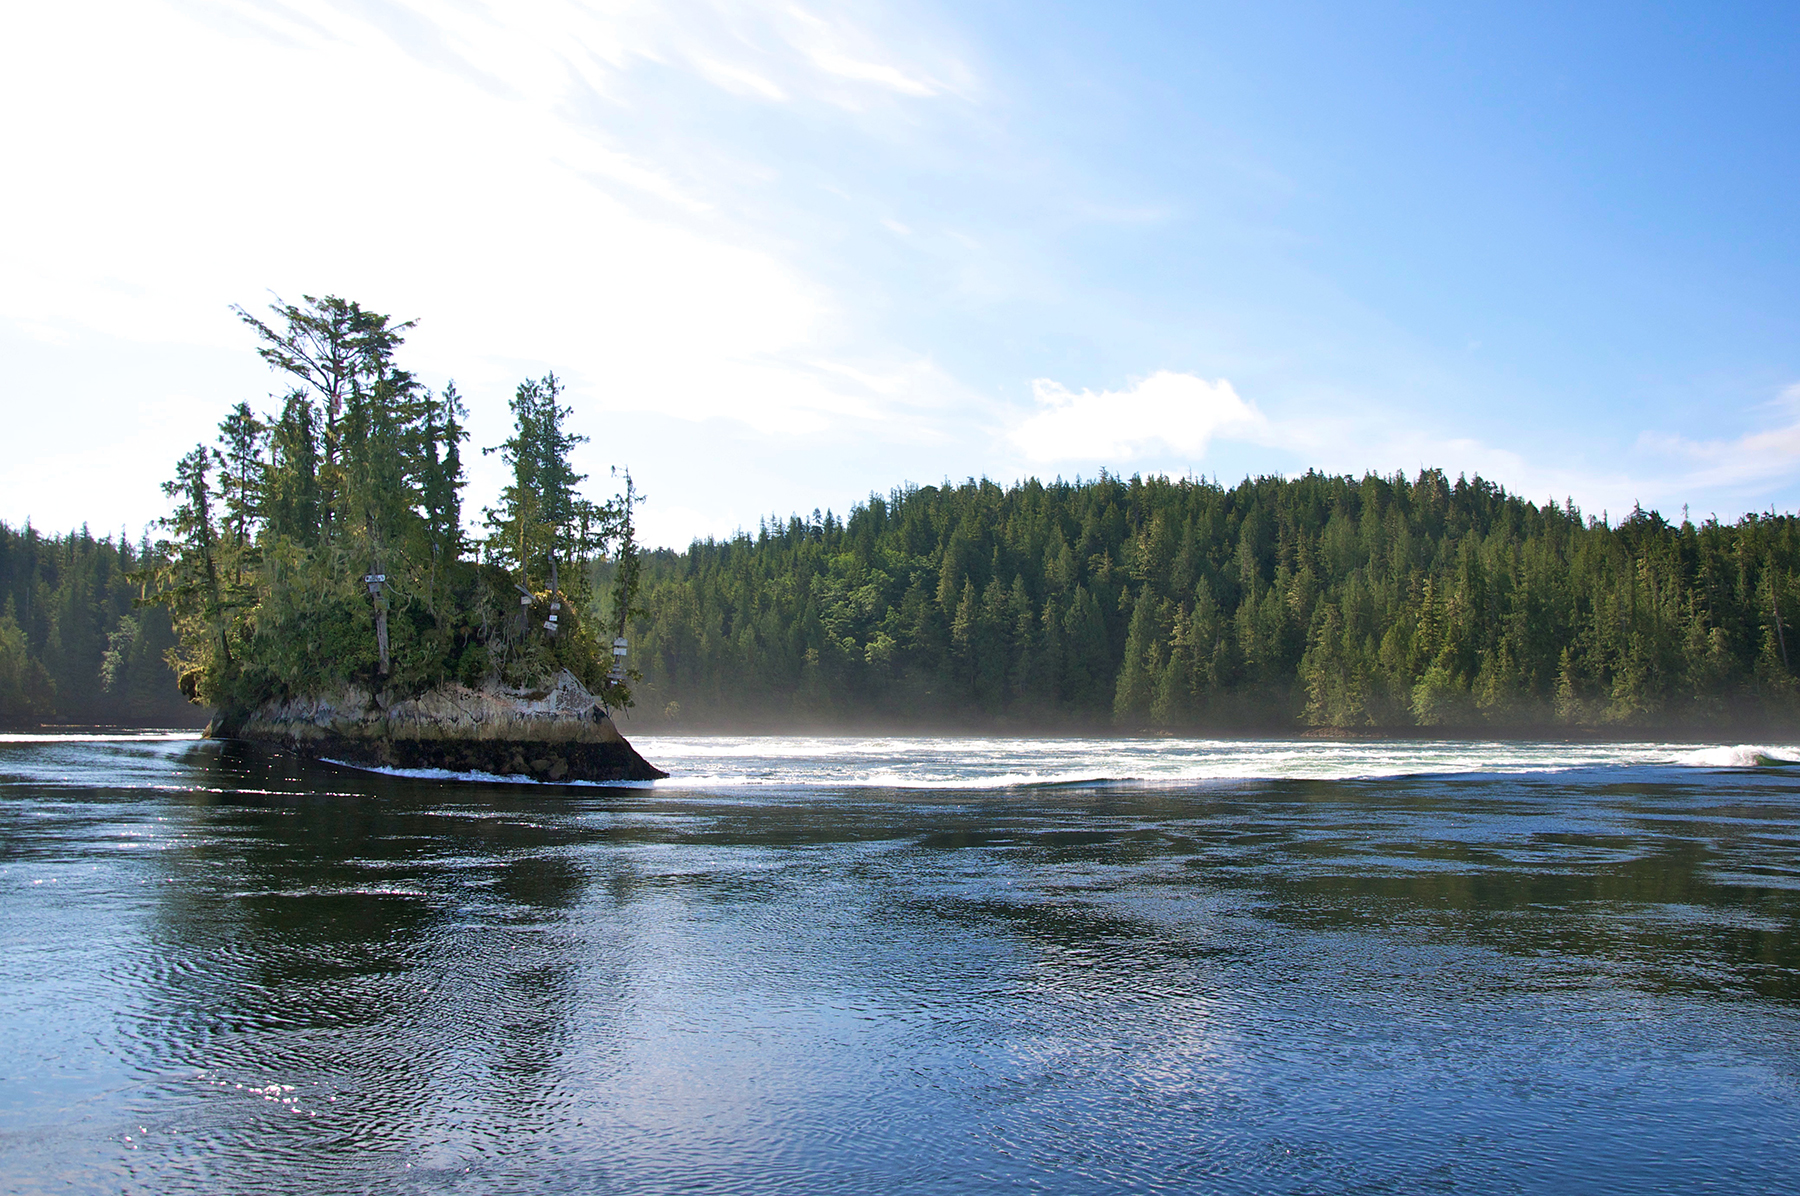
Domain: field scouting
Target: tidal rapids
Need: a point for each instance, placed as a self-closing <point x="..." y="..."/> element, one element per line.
<point x="905" y="965"/>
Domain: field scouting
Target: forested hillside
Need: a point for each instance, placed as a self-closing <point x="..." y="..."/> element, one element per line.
<point x="73" y="647"/>
<point x="1151" y="603"/>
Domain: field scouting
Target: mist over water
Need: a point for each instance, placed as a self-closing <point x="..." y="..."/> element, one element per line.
<point x="905" y="965"/>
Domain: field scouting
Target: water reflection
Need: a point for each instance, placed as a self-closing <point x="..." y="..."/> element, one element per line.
<point x="235" y="970"/>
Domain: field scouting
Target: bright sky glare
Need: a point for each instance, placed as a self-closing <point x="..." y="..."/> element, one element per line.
<point x="786" y="255"/>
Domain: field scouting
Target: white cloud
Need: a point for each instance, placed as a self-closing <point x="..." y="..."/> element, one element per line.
<point x="1165" y="412"/>
<point x="737" y="79"/>
<point x="1745" y="462"/>
<point x="842" y="51"/>
<point x="1169" y="421"/>
<point x="860" y="71"/>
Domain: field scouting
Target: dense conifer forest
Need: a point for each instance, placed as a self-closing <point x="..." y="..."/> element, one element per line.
<point x="1318" y="601"/>
<point x="74" y="645"/>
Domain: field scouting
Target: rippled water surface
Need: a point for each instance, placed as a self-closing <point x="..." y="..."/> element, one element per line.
<point x="905" y="965"/>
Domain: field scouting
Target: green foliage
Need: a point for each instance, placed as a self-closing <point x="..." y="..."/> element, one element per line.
<point x="190" y="585"/>
<point x="541" y="516"/>
<point x="291" y="502"/>
<point x="73" y="646"/>
<point x="302" y="541"/>
<point x="26" y="693"/>
<point x="1323" y="601"/>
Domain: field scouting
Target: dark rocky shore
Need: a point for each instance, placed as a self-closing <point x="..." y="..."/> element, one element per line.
<point x="558" y="734"/>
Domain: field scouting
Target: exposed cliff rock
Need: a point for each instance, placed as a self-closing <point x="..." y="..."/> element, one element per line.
<point x="557" y="734"/>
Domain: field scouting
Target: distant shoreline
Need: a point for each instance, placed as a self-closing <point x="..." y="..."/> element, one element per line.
<point x="964" y="730"/>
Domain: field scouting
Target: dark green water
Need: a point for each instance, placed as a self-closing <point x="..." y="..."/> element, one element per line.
<point x="222" y="973"/>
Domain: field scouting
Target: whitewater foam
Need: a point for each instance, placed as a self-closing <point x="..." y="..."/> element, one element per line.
<point x="99" y="737"/>
<point x="990" y="764"/>
<point x="1742" y="756"/>
<point x="979" y="764"/>
<point x="477" y="777"/>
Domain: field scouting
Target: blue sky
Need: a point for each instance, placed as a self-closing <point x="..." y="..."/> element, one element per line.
<point x="788" y="255"/>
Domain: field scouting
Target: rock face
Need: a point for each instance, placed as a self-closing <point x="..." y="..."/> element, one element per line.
<point x="556" y="734"/>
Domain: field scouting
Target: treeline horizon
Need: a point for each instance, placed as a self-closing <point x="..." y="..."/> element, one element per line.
<point x="1124" y="605"/>
<point x="1183" y="606"/>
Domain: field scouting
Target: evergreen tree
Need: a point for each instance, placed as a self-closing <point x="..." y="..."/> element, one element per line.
<point x="334" y="350"/>
<point x="291" y="498"/>
<point x="190" y="583"/>
<point x="241" y="439"/>
<point x="443" y="478"/>
<point x="27" y="695"/>
<point x="79" y="594"/>
<point x="542" y="515"/>
<point x="329" y="552"/>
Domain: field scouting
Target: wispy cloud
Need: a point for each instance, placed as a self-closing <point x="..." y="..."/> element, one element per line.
<point x="742" y="228"/>
<point x="526" y="179"/>
<point x="879" y="73"/>
<point x="1743" y="462"/>
<point x="840" y="49"/>
<point x="737" y="79"/>
<point x="193" y="156"/>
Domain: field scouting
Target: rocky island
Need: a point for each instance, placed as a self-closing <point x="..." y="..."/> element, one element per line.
<point x="329" y="600"/>
<point x="556" y="735"/>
